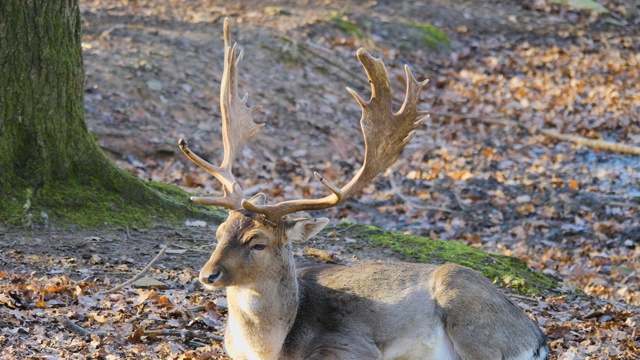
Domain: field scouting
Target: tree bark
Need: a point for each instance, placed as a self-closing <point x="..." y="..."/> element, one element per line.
<point x="43" y="135"/>
<point x="49" y="163"/>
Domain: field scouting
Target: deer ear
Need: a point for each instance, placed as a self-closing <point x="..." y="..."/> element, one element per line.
<point x="305" y="229"/>
<point x="258" y="199"/>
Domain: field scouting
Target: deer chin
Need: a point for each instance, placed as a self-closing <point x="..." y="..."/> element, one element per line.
<point x="212" y="287"/>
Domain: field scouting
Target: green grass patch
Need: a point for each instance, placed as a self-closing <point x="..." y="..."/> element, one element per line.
<point x="505" y="271"/>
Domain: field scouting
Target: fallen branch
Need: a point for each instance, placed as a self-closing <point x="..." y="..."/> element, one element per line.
<point x="579" y="140"/>
<point x="187" y="334"/>
<point x="70" y="325"/>
<point x="596" y="144"/>
<point x="139" y="275"/>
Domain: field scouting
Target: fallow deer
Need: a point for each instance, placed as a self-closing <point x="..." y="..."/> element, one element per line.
<point x="371" y="310"/>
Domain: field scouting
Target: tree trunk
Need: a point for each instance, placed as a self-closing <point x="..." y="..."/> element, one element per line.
<point x="43" y="136"/>
<point x="50" y="164"/>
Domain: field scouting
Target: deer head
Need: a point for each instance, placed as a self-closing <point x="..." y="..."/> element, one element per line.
<point x="247" y="248"/>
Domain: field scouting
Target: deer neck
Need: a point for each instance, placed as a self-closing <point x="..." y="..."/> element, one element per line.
<point x="261" y="315"/>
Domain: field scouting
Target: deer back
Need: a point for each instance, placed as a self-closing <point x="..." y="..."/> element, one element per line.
<point x="414" y="311"/>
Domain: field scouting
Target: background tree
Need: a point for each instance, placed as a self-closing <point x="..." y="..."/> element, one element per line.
<point x="51" y="167"/>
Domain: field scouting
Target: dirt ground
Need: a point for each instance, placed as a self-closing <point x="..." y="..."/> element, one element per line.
<point x="479" y="172"/>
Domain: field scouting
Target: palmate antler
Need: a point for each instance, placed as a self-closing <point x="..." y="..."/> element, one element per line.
<point x="385" y="134"/>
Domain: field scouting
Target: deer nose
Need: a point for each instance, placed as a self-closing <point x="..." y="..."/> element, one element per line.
<point x="211" y="278"/>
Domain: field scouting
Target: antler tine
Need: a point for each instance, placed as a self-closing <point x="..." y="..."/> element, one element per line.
<point x="385" y="135"/>
<point x="237" y="128"/>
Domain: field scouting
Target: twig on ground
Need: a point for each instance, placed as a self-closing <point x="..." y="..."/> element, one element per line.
<point x="113" y="27"/>
<point x="86" y="278"/>
<point x="189" y="248"/>
<point x="203" y="307"/>
<point x="139" y="275"/>
<point x="344" y="229"/>
<point x="70" y="325"/>
<point x="497" y="119"/>
<point x="182" y="333"/>
<point x="522" y="297"/>
<point x="623" y="204"/>
<point x="129" y="237"/>
<point x="197" y="343"/>
<point x="458" y="199"/>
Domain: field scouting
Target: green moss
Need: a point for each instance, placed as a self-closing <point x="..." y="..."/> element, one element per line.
<point x="431" y="35"/>
<point x="127" y="201"/>
<point x="503" y="270"/>
<point x="347" y="26"/>
<point x="12" y="211"/>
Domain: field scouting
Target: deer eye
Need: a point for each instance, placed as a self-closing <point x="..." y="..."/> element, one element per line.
<point x="258" y="247"/>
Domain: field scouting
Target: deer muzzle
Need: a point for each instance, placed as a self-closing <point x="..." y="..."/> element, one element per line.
<point x="211" y="277"/>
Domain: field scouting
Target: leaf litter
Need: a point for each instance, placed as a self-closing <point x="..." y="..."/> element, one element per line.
<point x="480" y="172"/>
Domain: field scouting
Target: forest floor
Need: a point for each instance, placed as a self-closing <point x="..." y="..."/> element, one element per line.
<point x="485" y="170"/>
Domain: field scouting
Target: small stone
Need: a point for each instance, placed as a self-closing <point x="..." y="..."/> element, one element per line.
<point x="149" y="283"/>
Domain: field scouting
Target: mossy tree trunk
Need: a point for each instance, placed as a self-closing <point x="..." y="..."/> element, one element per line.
<point x="50" y="164"/>
<point x="43" y="136"/>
